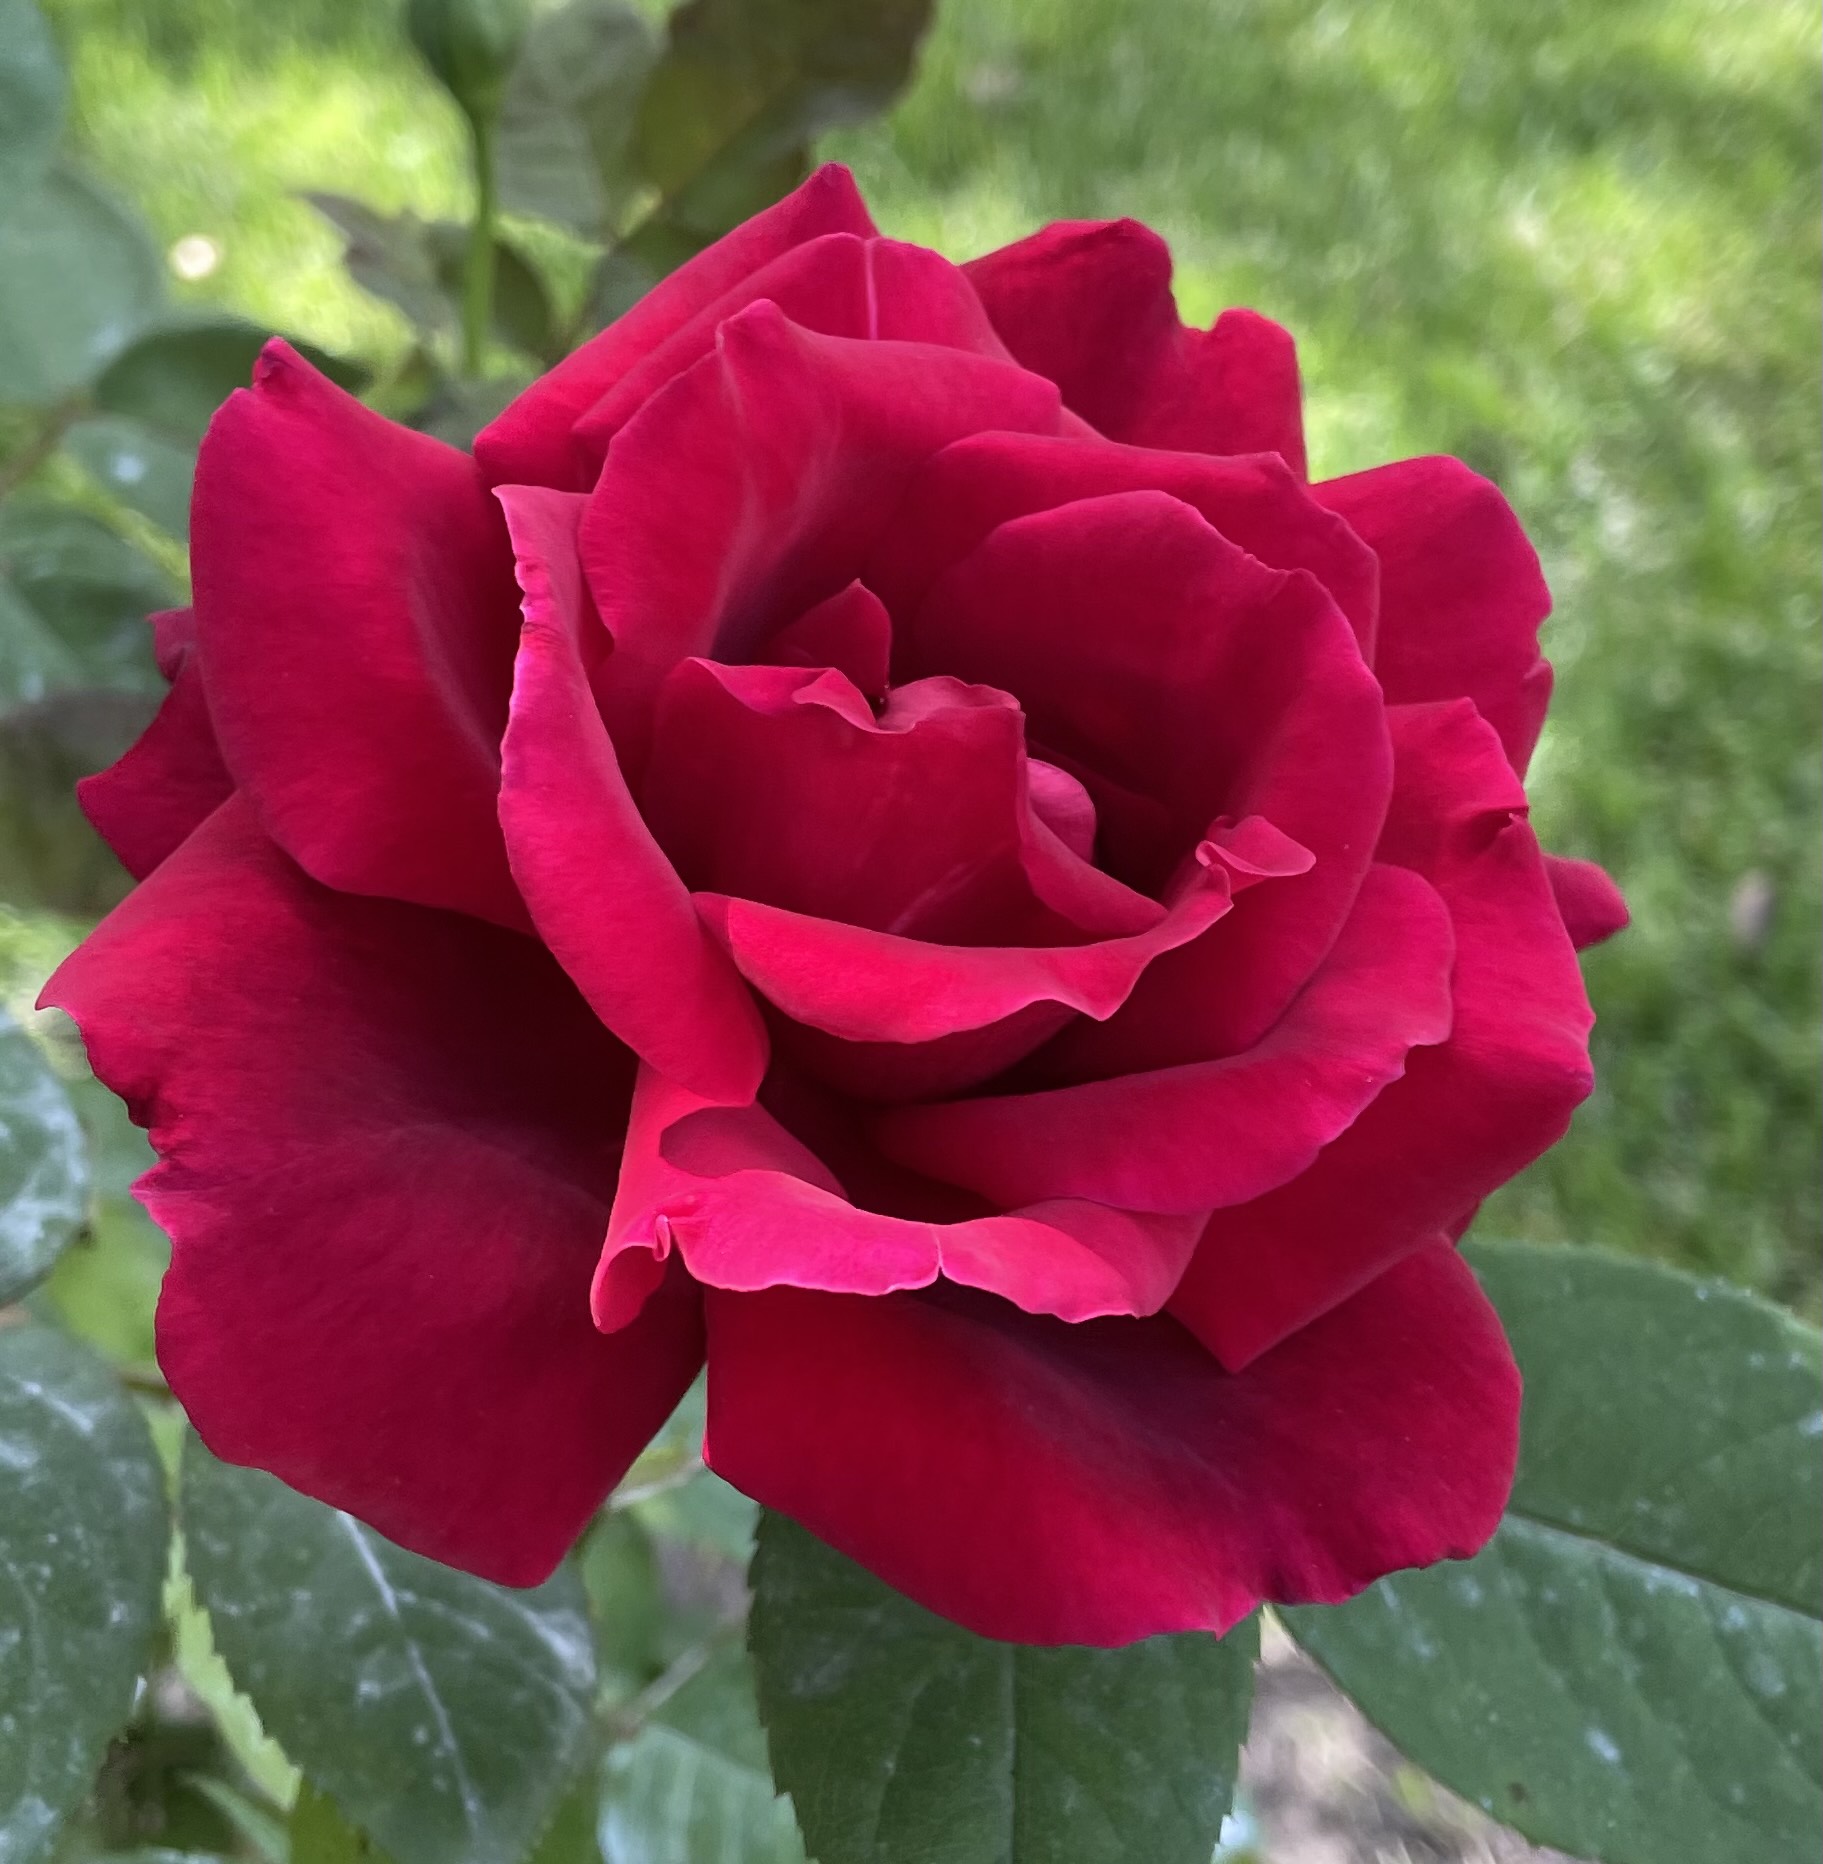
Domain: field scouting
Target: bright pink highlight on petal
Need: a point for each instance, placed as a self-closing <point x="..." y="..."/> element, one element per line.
<point x="748" y="1207"/>
<point x="1105" y="1482"/>
<point x="603" y="896"/>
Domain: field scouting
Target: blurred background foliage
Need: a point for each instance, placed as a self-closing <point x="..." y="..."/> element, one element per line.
<point x="1577" y="246"/>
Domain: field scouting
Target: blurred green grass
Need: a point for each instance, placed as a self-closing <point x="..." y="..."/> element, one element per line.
<point x="1578" y="246"/>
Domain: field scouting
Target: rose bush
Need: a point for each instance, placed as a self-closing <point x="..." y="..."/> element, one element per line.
<point x="879" y="831"/>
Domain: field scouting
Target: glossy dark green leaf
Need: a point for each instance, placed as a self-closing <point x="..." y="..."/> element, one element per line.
<point x="443" y="1715"/>
<point x="148" y="473"/>
<point x="561" y="147"/>
<point x="1631" y="1670"/>
<point x="693" y="1782"/>
<point x="31" y="97"/>
<point x="320" y="1835"/>
<point x="90" y="587"/>
<point x="901" y="1737"/>
<point x="745" y="86"/>
<point x="523" y="318"/>
<point x="389" y="255"/>
<point x="44" y="1166"/>
<point x="83" y="1531"/>
<point x="49" y="855"/>
<point x="78" y="277"/>
<point x="173" y="377"/>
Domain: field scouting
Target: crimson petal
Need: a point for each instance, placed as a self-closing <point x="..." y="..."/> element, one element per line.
<point x="388" y="1139"/>
<point x="1207" y="1134"/>
<point x="1461" y="593"/>
<point x="1104" y="1482"/>
<point x="1466" y="1115"/>
<point x="603" y="895"/>
<point x="1088" y="303"/>
<point x="356" y="618"/>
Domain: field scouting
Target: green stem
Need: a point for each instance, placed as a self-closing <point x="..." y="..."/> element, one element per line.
<point x="57" y="422"/>
<point x="478" y="266"/>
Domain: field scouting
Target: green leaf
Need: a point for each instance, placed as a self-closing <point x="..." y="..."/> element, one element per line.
<point x="320" y="1835"/>
<point x="901" y="1737"/>
<point x="561" y="147"/>
<point x="49" y="855"/>
<point x="148" y="473"/>
<point x="416" y="266"/>
<point x="78" y="276"/>
<point x="693" y="1782"/>
<point x="746" y="85"/>
<point x="1630" y="1671"/>
<point x="44" y="1164"/>
<point x="83" y="1528"/>
<point x="173" y="377"/>
<point x="443" y="1715"/>
<point x="389" y="255"/>
<point x="523" y="318"/>
<point x="90" y="587"/>
<point x="31" y="96"/>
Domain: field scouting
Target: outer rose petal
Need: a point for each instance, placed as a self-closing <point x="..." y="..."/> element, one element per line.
<point x="530" y="442"/>
<point x="356" y="618"/>
<point x="749" y="1206"/>
<point x="1591" y="904"/>
<point x="1467" y="1115"/>
<point x="1213" y="1133"/>
<point x="1089" y="304"/>
<point x="389" y="1137"/>
<point x="167" y="783"/>
<point x="839" y="285"/>
<point x="1163" y="665"/>
<point x="753" y="484"/>
<point x="1100" y="1483"/>
<point x="1461" y="593"/>
<point x="603" y="895"/>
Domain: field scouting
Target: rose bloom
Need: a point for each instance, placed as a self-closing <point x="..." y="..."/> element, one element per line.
<point x="877" y="831"/>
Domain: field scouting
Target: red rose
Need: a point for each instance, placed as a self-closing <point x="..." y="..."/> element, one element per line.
<point x="1010" y="912"/>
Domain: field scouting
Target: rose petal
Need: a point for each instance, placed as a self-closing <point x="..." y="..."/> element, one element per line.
<point x="779" y="785"/>
<point x="1099" y="1483"/>
<point x="839" y="285"/>
<point x="1461" y="593"/>
<point x="868" y="986"/>
<point x="1592" y="905"/>
<point x="1088" y="303"/>
<point x="603" y="895"/>
<point x="1214" y="1133"/>
<point x="986" y="480"/>
<point x="752" y="485"/>
<point x="356" y="619"/>
<point x="530" y="443"/>
<point x="1467" y="1115"/>
<point x="748" y="1206"/>
<point x="388" y="1141"/>
<point x="1154" y="658"/>
<point x="169" y="781"/>
<point x="850" y="632"/>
